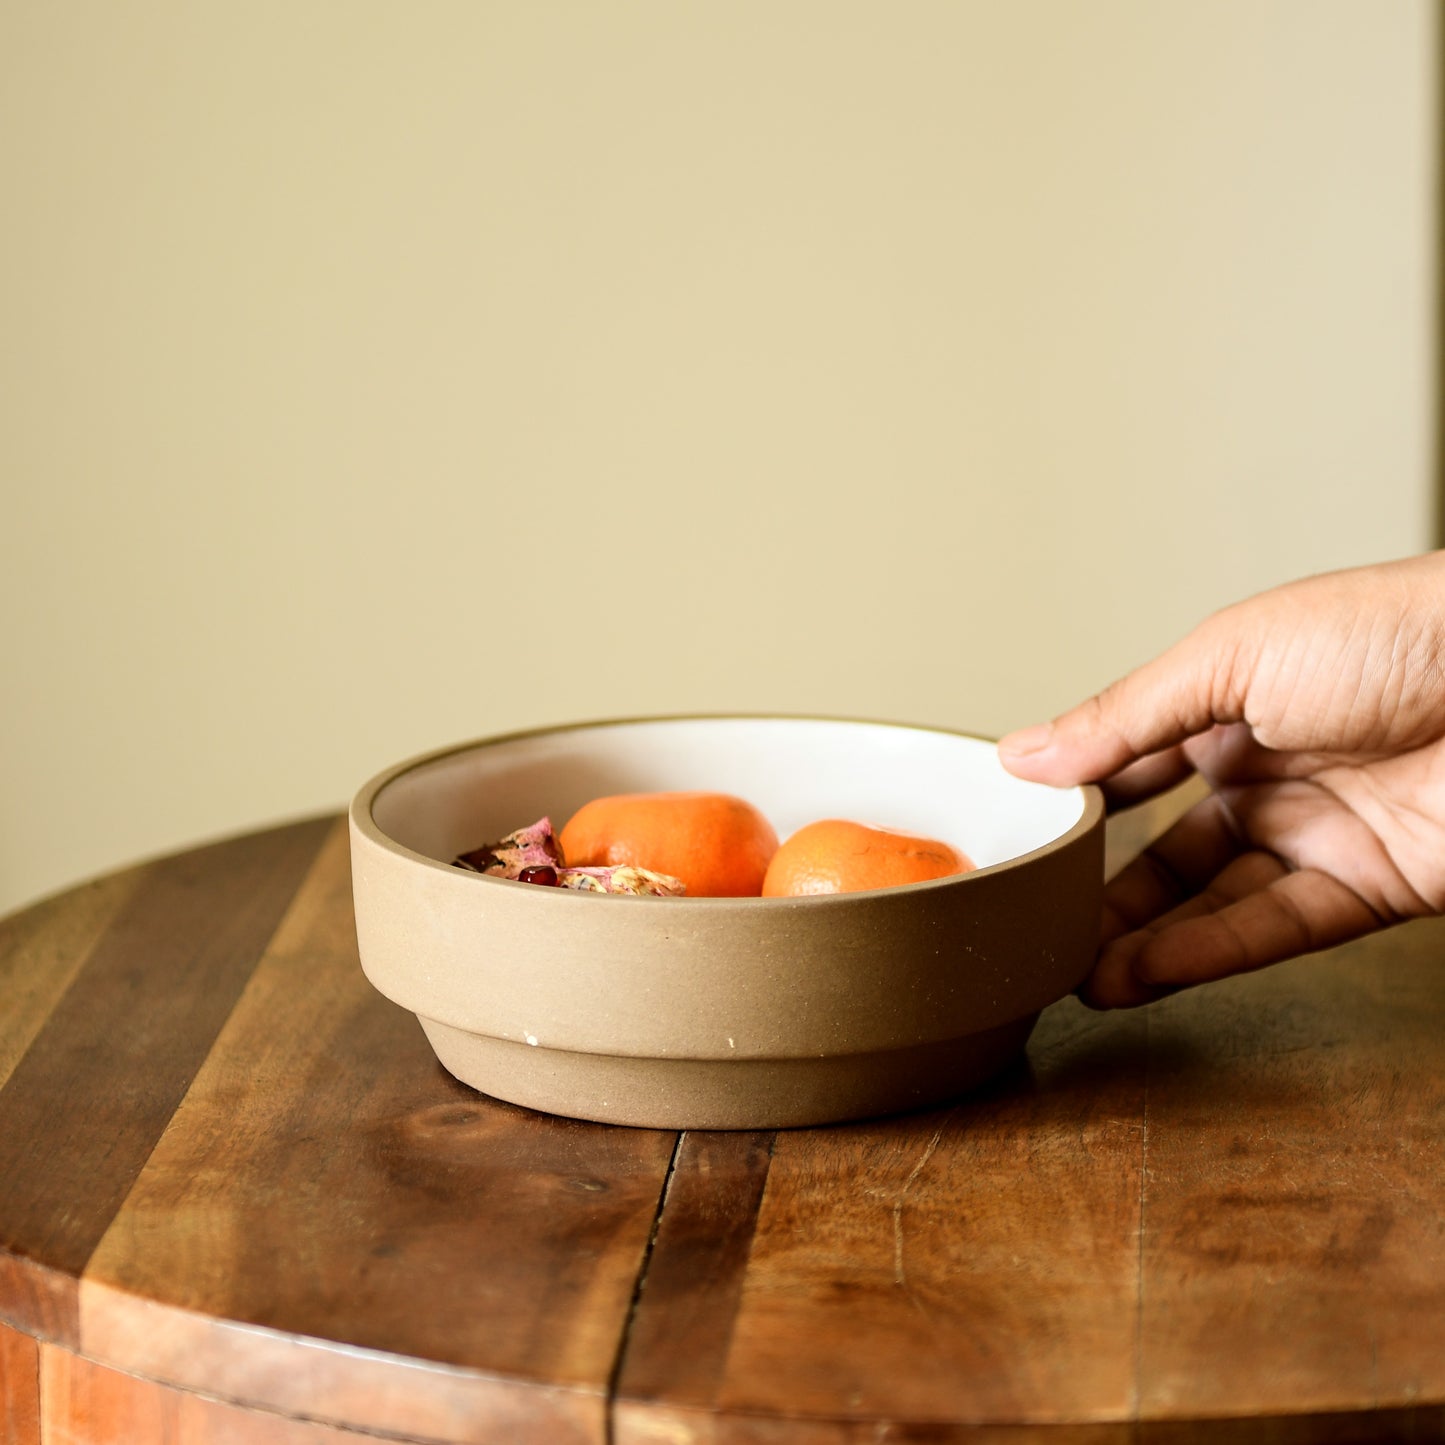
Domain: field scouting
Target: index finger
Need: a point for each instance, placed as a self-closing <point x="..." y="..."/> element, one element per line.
<point x="1180" y="694"/>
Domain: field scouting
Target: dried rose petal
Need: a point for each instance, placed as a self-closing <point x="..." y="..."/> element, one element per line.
<point x="622" y="879"/>
<point x="532" y="855"/>
<point x="531" y="847"/>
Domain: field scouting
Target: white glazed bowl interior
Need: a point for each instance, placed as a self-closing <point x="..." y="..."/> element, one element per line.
<point x="796" y="770"/>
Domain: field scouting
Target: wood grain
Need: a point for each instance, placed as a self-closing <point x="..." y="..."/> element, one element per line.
<point x="1352" y="1427"/>
<point x="676" y="1350"/>
<point x="1295" y="1238"/>
<point x="88" y="1404"/>
<point x="327" y="1181"/>
<point x="19" y="1388"/>
<point x="734" y="1428"/>
<point x="83" y="1107"/>
<point x="970" y="1265"/>
<point x="229" y="1168"/>
<point x="42" y="949"/>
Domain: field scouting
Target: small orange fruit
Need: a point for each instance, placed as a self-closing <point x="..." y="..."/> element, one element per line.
<point x="835" y="856"/>
<point x="718" y="845"/>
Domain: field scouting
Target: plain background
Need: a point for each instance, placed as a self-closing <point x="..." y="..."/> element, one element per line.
<point x="375" y="376"/>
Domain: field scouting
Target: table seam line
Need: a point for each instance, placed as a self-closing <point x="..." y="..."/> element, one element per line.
<point x="614" y="1378"/>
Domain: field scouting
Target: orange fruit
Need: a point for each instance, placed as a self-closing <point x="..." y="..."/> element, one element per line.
<point x="836" y="856"/>
<point x="718" y="845"/>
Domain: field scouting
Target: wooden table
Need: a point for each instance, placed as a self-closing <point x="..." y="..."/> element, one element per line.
<point x="240" y="1202"/>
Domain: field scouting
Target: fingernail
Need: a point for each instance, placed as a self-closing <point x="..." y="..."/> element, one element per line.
<point x="1027" y="740"/>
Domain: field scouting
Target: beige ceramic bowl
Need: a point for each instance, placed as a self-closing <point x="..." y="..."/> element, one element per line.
<point x="718" y="1012"/>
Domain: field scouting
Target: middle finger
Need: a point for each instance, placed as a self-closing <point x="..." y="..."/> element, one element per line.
<point x="1172" y="869"/>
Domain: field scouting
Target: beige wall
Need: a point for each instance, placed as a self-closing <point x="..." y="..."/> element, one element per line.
<point x="376" y="375"/>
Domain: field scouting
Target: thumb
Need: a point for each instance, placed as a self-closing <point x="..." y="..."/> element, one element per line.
<point x="1181" y="693"/>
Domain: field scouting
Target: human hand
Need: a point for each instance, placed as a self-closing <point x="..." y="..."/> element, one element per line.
<point x="1316" y="712"/>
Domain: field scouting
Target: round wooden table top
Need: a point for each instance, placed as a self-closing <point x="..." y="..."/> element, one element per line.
<point x="239" y="1200"/>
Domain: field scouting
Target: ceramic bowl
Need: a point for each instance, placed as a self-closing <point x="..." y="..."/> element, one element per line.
<point x="727" y="1013"/>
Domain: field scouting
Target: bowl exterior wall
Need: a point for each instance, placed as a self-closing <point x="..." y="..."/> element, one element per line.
<point x="729" y="979"/>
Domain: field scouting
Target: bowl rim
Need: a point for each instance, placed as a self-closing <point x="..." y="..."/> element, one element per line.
<point x="363" y="821"/>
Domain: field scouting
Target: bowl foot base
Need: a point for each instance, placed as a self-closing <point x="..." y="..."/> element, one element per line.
<point x="726" y="1093"/>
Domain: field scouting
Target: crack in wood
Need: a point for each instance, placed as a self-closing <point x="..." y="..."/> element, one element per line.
<point x="609" y="1426"/>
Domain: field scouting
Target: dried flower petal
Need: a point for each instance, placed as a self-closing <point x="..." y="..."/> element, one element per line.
<point x="531" y="847"/>
<point x="533" y="855"/>
<point x="623" y="878"/>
